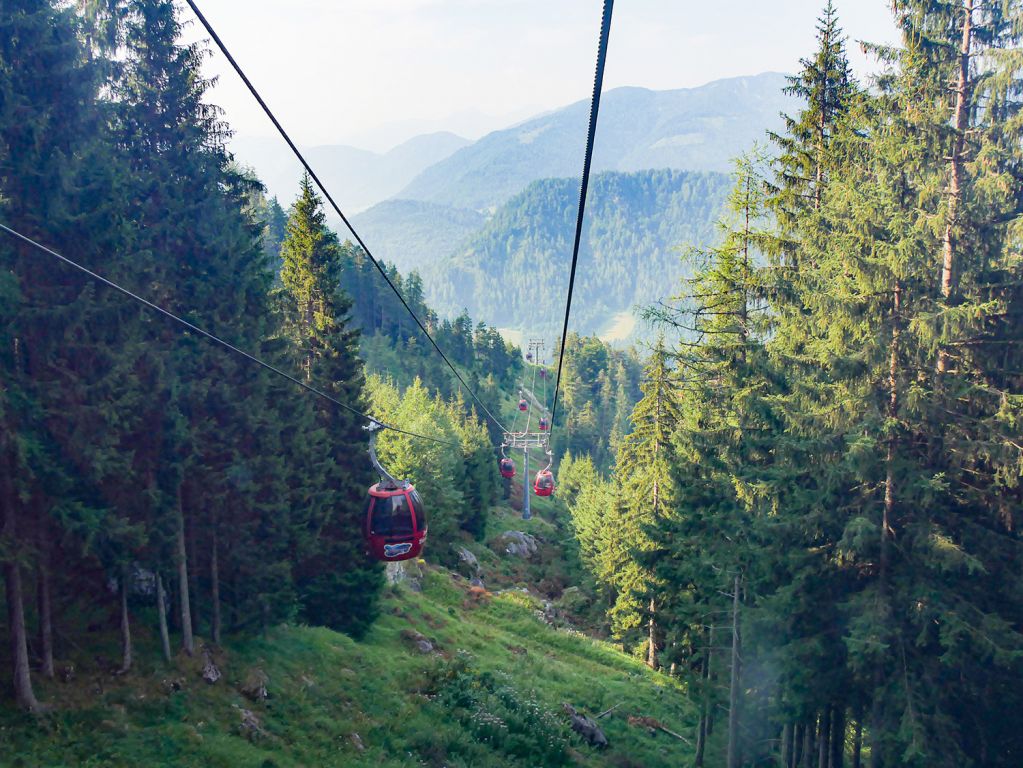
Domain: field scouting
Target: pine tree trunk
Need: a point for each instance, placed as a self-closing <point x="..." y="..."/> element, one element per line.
<point x="126" y="654"/>
<point x="308" y="363"/>
<point x="24" y="696"/>
<point x="809" y="743"/>
<point x="786" y="744"/>
<point x="888" y="515"/>
<point x="857" y="742"/>
<point x="711" y="682"/>
<point x="702" y="730"/>
<point x="192" y="558"/>
<point x="734" y="757"/>
<point x="876" y="726"/>
<point x="837" y="738"/>
<point x="797" y="746"/>
<point x="887" y="529"/>
<point x="823" y="740"/>
<point x="875" y="746"/>
<point x="701" y="741"/>
<point x="169" y="586"/>
<point x="651" y="657"/>
<point x="960" y="119"/>
<point x="45" y="606"/>
<point x="215" y="585"/>
<point x="187" y="640"/>
<point x="161" y="613"/>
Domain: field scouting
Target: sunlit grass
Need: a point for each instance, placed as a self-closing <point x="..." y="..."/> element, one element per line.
<point x="337" y="702"/>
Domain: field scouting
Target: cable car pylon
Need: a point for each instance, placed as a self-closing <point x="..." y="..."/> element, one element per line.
<point x="527" y="439"/>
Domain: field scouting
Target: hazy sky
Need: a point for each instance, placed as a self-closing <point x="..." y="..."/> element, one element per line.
<point x="374" y="72"/>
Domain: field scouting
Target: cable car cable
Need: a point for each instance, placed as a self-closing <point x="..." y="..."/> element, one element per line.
<point x="532" y="398"/>
<point x="598" y="84"/>
<point x="544" y="377"/>
<point x="212" y="337"/>
<point x="334" y="205"/>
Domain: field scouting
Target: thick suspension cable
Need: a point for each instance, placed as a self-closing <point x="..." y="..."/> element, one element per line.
<point x="337" y="209"/>
<point x="546" y="373"/>
<point x="598" y="84"/>
<point x="212" y="337"/>
<point x="532" y="398"/>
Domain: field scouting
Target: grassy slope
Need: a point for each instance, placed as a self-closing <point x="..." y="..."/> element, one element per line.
<point x="325" y="687"/>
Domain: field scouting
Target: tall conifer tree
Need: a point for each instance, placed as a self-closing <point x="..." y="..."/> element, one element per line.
<point x="336" y="582"/>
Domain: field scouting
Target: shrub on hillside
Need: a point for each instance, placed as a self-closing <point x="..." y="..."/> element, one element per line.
<point x="499" y="715"/>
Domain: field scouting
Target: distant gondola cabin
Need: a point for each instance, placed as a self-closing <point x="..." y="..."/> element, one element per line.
<point x="507" y="468"/>
<point x="544" y="425"/>
<point x="523" y="405"/>
<point x="395" y="524"/>
<point x="544" y="485"/>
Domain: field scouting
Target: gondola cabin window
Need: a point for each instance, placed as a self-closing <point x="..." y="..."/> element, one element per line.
<point x="391" y="516"/>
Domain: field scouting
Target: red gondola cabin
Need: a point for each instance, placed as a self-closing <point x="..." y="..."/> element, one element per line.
<point x="523" y="406"/>
<point x="507" y="468"/>
<point x="544" y="424"/>
<point x="544" y="485"/>
<point x="395" y="525"/>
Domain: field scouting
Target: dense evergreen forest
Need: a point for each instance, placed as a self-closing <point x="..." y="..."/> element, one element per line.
<point x="390" y="343"/>
<point x="800" y="508"/>
<point x="815" y="520"/>
<point x="512" y="269"/>
<point x="144" y="466"/>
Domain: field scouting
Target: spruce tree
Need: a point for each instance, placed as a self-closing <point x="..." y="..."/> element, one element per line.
<point x="723" y="447"/>
<point x="336" y="583"/>
<point x="57" y="185"/>
<point x="889" y="395"/>
<point x="643" y="469"/>
<point x="826" y="90"/>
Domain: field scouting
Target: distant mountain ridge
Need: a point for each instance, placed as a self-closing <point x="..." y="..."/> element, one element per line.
<point x="489" y="223"/>
<point x="357" y="178"/>
<point x="688" y="129"/>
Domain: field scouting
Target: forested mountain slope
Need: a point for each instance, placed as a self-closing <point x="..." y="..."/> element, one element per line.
<point x="699" y="129"/>
<point x="413" y="234"/>
<point x="514" y="273"/>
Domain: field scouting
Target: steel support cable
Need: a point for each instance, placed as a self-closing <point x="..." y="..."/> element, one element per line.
<point x="212" y="337"/>
<point x="337" y="209"/>
<point x="518" y="418"/>
<point x="546" y="373"/>
<point x="532" y="399"/>
<point x="522" y="396"/>
<point x="598" y="84"/>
